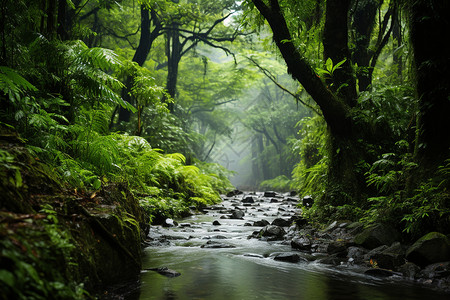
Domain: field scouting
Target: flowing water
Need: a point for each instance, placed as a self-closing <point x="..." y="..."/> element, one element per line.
<point x="248" y="271"/>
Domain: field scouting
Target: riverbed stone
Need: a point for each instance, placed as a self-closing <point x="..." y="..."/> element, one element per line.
<point x="409" y="270"/>
<point x="216" y="223"/>
<point x="332" y="259"/>
<point x="337" y="247"/>
<point x="288" y="257"/>
<point x="237" y="214"/>
<point x="234" y="193"/>
<point x="436" y="270"/>
<point x="248" y="199"/>
<point x="215" y="245"/>
<point x="253" y="255"/>
<point x="379" y="272"/>
<point x="387" y="257"/>
<point x="272" y="232"/>
<point x="301" y="243"/>
<point x="281" y="222"/>
<point x="431" y="248"/>
<point x="377" y="235"/>
<point x="169" y="223"/>
<point x="270" y="194"/>
<point x="261" y="223"/>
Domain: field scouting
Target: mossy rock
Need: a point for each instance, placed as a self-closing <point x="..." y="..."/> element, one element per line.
<point x="431" y="248"/>
<point x="377" y="235"/>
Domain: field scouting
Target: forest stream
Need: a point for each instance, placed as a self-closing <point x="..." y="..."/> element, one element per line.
<point x="220" y="261"/>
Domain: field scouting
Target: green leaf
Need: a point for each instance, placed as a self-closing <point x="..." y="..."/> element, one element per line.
<point x="338" y="65"/>
<point x="329" y="65"/>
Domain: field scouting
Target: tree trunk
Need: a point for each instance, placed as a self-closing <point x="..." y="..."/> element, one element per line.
<point x="363" y="24"/>
<point x="173" y="51"/>
<point x="335" y="44"/>
<point x="140" y="56"/>
<point x="429" y="26"/>
<point x="344" y="181"/>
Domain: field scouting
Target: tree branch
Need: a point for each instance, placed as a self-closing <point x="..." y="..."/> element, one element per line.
<point x="273" y="79"/>
<point x="334" y="110"/>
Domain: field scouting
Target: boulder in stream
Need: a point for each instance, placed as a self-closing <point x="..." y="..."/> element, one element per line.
<point x="261" y="223"/>
<point x="234" y="193"/>
<point x="169" y="223"/>
<point x="165" y="271"/>
<point x="301" y="243"/>
<point x="248" y="199"/>
<point x="270" y="194"/>
<point x="377" y="235"/>
<point x="272" y="232"/>
<point x="281" y="222"/>
<point x="237" y="214"/>
<point x="431" y="248"/>
<point x="215" y="245"/>
<point x="287" y="257"/>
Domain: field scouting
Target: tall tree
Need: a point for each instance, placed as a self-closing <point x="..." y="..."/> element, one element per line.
<point x="336" y="96"/>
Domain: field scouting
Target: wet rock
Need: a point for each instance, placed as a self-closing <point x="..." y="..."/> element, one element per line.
<point x="356" y="254"/>
<point x="215" y="245"/>
<point x="248" y="224"/>
<point x="332" y="259"/>
<point x="269" y="194"/>
<point x="281" y="222"/>
<point x="261" y="223"/>
<point x="272" y="232"/>
<point x="273" y="200"/>
<point x="169" y="223"/>
<point x="377" y="235"/>
<point x="337" y="247"/>
<point x="185" y="224"/>
<point x="234" y="193"/>
<point x="253" y="255"/>
<point x="409" y="270"/>
<point x="165" y="271"/>
<point x="389" y="258"/>
<point x="355" y="228"/>
<point x="248" y="199"/>
<point x="378" y="272"/>
<point x="436" y="270"/>
<point x="174" y="237"/>
<point x="287" y="257"/>
<point x="237" y="214"/>
<point x="216" y="223"/>
<point x="431" y="248"/>
<point x="217" y="237"/>
<point x="301" y="243"/>
<point x="307" y="201"/>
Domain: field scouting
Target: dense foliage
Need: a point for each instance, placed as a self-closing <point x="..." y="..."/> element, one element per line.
<point x="343" y="100"/>
<point x="364" y="156"/>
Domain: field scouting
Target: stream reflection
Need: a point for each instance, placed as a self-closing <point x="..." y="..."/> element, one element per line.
<point x="229" y="274"/>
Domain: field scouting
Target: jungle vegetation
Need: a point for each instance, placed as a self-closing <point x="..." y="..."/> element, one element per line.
<point x="344" y="100"/>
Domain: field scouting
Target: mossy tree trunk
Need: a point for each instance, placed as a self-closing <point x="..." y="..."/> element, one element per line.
<point x="336" y="97"/>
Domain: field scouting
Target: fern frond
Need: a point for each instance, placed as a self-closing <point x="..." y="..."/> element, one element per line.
<point x="13" y="84"/>
<point x="178" y="156"/>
